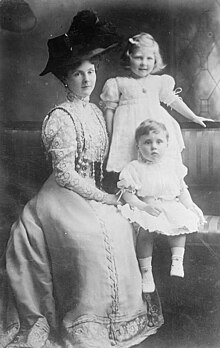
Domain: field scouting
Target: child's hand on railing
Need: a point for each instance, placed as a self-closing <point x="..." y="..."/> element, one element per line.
<point x="202" y="120"/>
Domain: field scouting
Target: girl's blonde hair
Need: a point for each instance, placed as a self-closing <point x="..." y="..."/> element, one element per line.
<point x="142" y="40"/>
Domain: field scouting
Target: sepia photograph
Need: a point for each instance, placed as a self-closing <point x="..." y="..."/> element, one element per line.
<point x="110" y="173"/>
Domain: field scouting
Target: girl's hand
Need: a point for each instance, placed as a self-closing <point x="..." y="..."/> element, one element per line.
<point x="201" y="120"/>
<point x="152" y="209"/>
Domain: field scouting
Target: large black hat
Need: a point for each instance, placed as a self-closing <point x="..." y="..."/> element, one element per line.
<point x="87" y="37"/>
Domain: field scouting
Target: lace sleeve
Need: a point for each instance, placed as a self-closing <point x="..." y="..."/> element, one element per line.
<point x="59" y="138"/>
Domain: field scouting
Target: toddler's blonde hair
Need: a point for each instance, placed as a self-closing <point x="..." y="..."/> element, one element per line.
<point x="148" y="126"/>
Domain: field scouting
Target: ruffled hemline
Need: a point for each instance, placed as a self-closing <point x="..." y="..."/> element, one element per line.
<point x="174" y="220"/>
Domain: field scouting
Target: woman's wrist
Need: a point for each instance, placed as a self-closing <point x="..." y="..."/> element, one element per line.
<point x="110" y="199"/>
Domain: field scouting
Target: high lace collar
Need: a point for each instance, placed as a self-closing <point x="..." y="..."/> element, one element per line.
<point x="73" y="97"/>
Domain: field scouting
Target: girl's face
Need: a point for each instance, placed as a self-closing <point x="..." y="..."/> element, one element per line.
<point x="142" y="61"/>
<point x="153" y="146"/>
<point x="81" y="81"/>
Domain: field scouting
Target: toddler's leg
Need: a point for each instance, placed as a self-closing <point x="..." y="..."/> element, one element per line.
<point x="177" y="244"/>
<point x="144" y="254"/>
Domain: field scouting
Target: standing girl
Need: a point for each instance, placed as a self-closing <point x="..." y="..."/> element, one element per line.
<point x="130" y="100"/>
<point x="157" y="199"/>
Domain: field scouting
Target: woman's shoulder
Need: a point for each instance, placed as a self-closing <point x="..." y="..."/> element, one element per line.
<point x="59" y="110"/>
<point x="57" y="117"/>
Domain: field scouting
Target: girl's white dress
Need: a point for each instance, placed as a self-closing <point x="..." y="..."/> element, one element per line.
<point x="159" y="183"/>
<point x="135" y="100"/>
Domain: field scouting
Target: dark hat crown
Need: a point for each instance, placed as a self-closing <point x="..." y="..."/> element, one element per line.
<point x="85" y="35"/>
<point x="87" y="30"/>
<point x="85" y="22"/>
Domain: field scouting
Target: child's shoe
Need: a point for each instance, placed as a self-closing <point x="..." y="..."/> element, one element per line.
<point x="177" y="268"/>
<point x="148" y="284"/>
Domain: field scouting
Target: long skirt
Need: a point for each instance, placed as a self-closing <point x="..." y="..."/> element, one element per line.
<point x="72" y="273"/>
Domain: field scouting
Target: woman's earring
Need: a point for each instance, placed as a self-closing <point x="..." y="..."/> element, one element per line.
<point x="139" y="152"/>
<point x="65" y="85"/>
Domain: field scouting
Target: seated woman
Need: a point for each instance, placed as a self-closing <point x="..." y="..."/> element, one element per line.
<point x="70" y="261"/>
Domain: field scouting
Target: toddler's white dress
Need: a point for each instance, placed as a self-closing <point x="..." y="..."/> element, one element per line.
<point x="135" y="100"/>
<point x="159" y="183"/>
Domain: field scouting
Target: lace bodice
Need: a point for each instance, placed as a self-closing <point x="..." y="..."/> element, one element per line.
<point x="74" y="134"/>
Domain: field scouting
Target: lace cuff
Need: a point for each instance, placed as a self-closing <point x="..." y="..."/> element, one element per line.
<point x="73" y="181"/>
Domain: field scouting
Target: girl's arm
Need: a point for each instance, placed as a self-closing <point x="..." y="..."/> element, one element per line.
<point x="134" y="201"/>
<point x="109" y="119"/>
<point x="110" y="97"/>
<point x="60" y="141"/>
<point x="109" y="115"/>
<point x="183" y="109"/>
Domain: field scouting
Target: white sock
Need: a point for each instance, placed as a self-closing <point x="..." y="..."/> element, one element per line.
<point x="148" y="284"/>
<point x="177" y="262"/>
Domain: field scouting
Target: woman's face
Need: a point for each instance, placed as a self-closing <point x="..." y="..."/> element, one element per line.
<point x="81" y="81"/>
<point x="142" y="61"/>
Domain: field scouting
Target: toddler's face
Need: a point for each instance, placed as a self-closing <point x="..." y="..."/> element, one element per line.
<point x="153" y="146"/>
<point x="142" y="61"/>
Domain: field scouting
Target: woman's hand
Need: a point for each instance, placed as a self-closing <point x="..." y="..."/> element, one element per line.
<point x="201" y="120"/>
<point x="153" y="209"/>
<point x="111" y="199"/>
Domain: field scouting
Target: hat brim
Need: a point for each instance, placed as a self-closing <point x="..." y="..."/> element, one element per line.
<point x="54" y="64"/>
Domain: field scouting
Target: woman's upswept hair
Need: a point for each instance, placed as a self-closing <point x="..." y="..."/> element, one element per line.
<point x="61" y="73"/>
<point x="148" y="126"/>
<point x="142" y="40"/>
